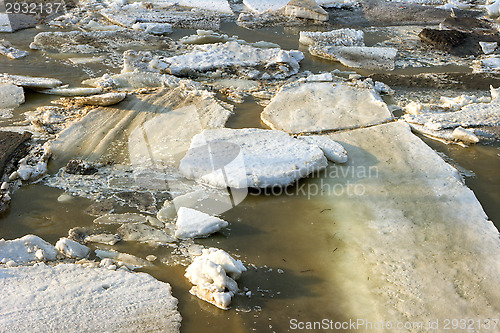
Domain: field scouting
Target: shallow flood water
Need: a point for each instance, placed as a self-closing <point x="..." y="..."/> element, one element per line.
<point x="290" y="238"/>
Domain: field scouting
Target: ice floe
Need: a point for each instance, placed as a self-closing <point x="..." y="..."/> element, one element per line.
<point x="339" y="37"/>
<point x="242" y="158"/>
<point x="128" y="15"/>
<point x="372" y="58"/>
<point x="488" y="48"/>
<point x="93" y="42"/>
<point x="143" y="233"/>
<point x="192" y="223"/>
<point x="132" y="262"/>
<point x="251" y="61"/>
<point x="85" y="299"/>
<point x="213" y="275"/>
<point x="70" y="92"/>
<point x="471" y="115"/>
<point x="29" y="81"/>
<point x="9" y="51"/>
<point x="72" y="249"/>
<point x="153" y="28"/>
<point x="318" y="106"/>
<point x="26" y="249"/>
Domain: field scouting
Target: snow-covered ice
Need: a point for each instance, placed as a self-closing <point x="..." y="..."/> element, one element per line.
<point x="131" y="261"/>
<point x="249" y="158"/>
<point x="153" y="28"/>
<point x="318" y="106"/>
<point x="70" y="92"/>
<point x="213" y="275"/>
<point x="488" y="48"/>
<point x="372" y="58"/>
<point x="71" y="248"/>
<point x="26" y="249"/>
<point x="192" y="223"/>
<point x="72" y="298"/>
<point x="338" y="37"/>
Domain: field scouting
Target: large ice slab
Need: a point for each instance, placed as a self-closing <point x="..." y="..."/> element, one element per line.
<point x="71" y="298"/>
<point x="316" y="107"/>
<point x="250" y="157"/>
<point x="307" y="9"/>
<point x="221" y="6"/>
<point x="417" y="239"/>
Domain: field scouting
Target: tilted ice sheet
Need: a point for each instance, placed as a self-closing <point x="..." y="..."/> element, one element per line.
<point x="71" y="298"/>
<point x="137" y="120"/>
<point x="416" y="238"/>
<point x="316" y="107"/>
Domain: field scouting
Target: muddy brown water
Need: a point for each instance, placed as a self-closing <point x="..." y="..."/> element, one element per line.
<point x="290" y="240"/>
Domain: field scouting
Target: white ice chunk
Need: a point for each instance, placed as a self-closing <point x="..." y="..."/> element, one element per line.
<point x="493" y="9"/>
<point x="130" y="260"/>
<point x="192" y="223"/>
<point x="371" y="58"/>
<point x="249" y="158"/>
<point x="339" y="37"/>
<point x="71" y="248"/>
<point x="72" y="298"/>
<point x="464" y="135"/>
<point x="101" y="100"/>
<point x="333" y="150"/>
<point x="208" y="275"/>
<point x="488" y="48"/>
<point x="316" y="107"/>
<point x="11" y="95"/>
<point x="25" y="249"/>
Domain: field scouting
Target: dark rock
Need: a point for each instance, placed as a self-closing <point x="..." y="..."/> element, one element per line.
<point x="456" y="42"/>
<point x="80" y="167"/>
<point x="12" y="147"/>
<point x="469" y="24"/>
